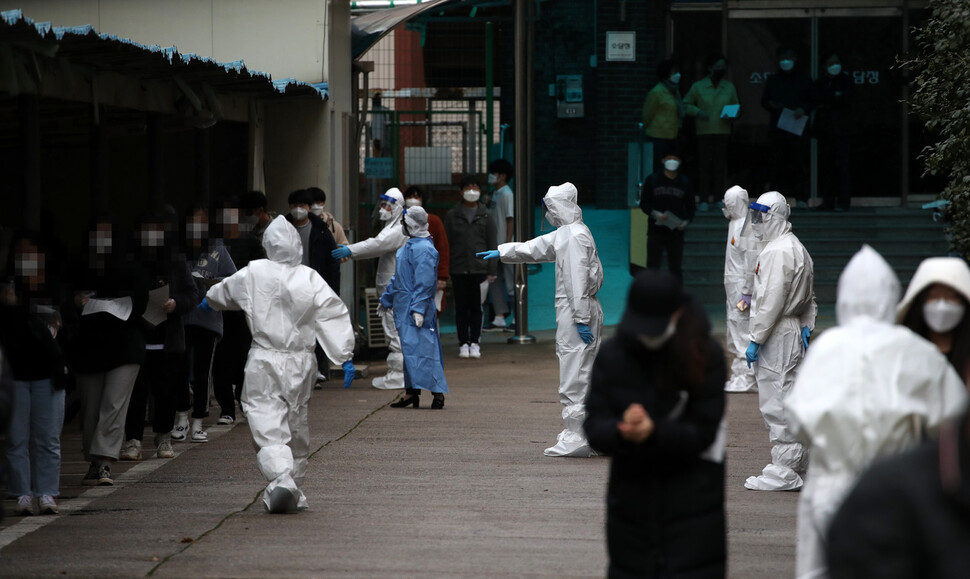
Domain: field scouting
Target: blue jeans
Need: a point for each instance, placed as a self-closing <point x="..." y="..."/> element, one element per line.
<point x="34" y="439"/>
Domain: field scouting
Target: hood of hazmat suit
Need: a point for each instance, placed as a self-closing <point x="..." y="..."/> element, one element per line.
<point x="774" y="213"/>
<point x="740" y="261"/>
<point x="416" y="222"/>
<point x="866" y="389"/>
<point x="736" y="203"/>
<point x="950" y="271"/>
<point x="289" y="308"/>
<point x="385" y="244"/>
<point x="579" y="276"/>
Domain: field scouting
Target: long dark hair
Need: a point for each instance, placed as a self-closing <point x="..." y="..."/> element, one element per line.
<point x="959" y="354"/>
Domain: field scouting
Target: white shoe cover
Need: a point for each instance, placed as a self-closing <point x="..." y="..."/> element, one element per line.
<point x="390" y="381"/>
<point x="570" y="444"/>
<point x="737" y="384"/>
<point x="775" y="477"/>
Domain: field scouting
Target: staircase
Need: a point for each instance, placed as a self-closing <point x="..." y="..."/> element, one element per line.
<point x="903" y="236"/>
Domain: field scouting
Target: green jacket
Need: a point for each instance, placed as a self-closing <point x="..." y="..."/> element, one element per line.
<point x="704" y="96"/>
<point x="660" y="118"/>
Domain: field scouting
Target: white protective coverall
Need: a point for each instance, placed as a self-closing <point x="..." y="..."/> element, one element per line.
<point x="384" y="247"/>
<point x="740" y="260"/>
<point x="288" y="308"/>
<point x="579" y="276"/>
<point x="782" y="304"/>
<point x="867" y="389"/>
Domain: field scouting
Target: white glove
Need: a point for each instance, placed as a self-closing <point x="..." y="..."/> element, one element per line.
<point x="381" y="310"/>
<point x="418" y="319"/>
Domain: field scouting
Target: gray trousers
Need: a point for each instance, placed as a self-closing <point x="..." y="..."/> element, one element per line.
<point x="104" y="405"/>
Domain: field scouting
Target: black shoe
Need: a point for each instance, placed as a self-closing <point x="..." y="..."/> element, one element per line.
<point x="438" y="403"/>
<point x="510" y="327"/>
<point x="412" y="400"/>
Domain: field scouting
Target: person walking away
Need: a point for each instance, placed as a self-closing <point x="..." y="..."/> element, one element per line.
<point x="782" y="319"/>
<point x="866" y="389"/>
<point x="668" y="200"/>
<point x="410" y="298"/>
<point x="833" y="126"/>
<point x="740" y="260"/>
<point x="579" y="317"/>
<point x="29" y="324"/>
<point x="288" y="307"/>
<point x="384" y="247"/>
<point x="416" y="197"/>
<point x="656" y="406"/>
<point x="706" y="100"/>
<point x="663" y="113"/>
<point x="502" y="291"/>
<point x="471" y="230"/>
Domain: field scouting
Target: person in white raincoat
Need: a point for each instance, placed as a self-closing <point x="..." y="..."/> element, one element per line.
<point x="384" y="247"/>
<point x="866" y="389"/>
<point x="288" y="308"/>
<point x="579" y="317"/>
<point x="782" y="319"/>
<point x="740" y="260"/>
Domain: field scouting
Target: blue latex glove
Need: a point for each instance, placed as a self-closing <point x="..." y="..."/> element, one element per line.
<point x="490" y="254"/>
<point x="806" y="334"/>
<point x="585" y="333"/>
<point x="349" y="373"/>
<point x="341" y="252"/>
<point x="751" y="355"/>
<point x="204" y="306"/>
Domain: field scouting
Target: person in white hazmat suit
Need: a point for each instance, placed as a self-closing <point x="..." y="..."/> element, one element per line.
<point x="579" y="317"/>
<point x="782" y="319"/>
<point x="384" y="247"/>
<point x="288" y="308"/>
<point x="867" y="389"/>
<point x="740" y="260"/>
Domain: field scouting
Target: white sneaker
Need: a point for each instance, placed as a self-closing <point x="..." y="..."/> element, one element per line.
<point x="225" y="419"/>
<point x="475" y="351"/>
<point x="499" y="322"/>
<point x="464" y="351"/>
<point x="47" y="505"/>
<point x="131" y="450"/>
<point x="25" y="506"/>
<point x="181" y="427"/>
<point x="165" y="448"/>
<point x="198" y="434"/>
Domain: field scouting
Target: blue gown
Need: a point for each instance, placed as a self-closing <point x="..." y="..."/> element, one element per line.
<point x="412" y="290"/>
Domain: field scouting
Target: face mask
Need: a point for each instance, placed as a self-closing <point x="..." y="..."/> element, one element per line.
<point x="471" y="195"/>
<point x="727" y="213"/>
<point x="317" y="209"/>
<point x="298" y="213"/>
<point x="492" y="178"/>
<point x="386" y="214"/>
<point x="197" y="230"/>
<point x="835" y="69"/>
<point x="657" y="342"/>
<point x="671" y="165"/>
<point x="413" y="202"/>
<point x="717" y="74"/>
<point x="251" y="220"/>
<point x="942" y="315"/>
<point x="675" y="78"/>
<point x="786" y="65"/>
<point x="101" y="242"/>
<point x="150" y="238"/>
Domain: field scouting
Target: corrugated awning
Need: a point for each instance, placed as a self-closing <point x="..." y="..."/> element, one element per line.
<point x="368" y="29"/>
<point x="100" y="51"/>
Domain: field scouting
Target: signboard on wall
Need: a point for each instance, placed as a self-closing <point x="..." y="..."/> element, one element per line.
<point x="621" y="46"/>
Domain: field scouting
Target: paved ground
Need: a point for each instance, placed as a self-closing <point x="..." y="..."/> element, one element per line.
<point x="462" y="492"/>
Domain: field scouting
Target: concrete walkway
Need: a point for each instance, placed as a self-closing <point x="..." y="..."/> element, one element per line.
<point x="461" y="492"/>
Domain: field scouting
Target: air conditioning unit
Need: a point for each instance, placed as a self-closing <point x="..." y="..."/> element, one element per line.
<point x="375" y="329"/>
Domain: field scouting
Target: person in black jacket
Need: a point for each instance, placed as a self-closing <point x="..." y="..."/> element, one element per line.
<point x="789" y="88"/>
<point x="317" y="240"/>
<point x="667" y="198"/>
<point x="831" y="95"/>
<point x="909" y="515"/>
<point x="656" y="405"/>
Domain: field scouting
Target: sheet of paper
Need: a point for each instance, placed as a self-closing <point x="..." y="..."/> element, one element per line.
<point x="484" y="288"/>
<point x="154" y="314"/>
<point x="439" y="297"/>
<point x="787" y="122"/>
<point x="117" y="307"/>
<point x="730" y="111"/>
<point x="671" y="222"/>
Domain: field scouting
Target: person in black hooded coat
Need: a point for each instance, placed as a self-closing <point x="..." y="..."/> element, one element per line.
<point x="656" y="404"/>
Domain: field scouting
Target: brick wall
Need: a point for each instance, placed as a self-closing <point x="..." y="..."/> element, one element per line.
<point x="591" y="152"/>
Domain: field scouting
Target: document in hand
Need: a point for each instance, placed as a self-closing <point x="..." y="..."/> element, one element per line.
<point x="730" y="111"/>
<point x="671" y="222"/>
<point x="154" y="314"/>
<point x="787" y="122"/>
<point x="117" y="307"/>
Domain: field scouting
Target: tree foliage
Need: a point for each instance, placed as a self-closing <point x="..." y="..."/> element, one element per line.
<point x="941" y="98"/>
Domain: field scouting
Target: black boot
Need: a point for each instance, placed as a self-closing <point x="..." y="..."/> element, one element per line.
<point x="411" y="398"/>
<point x="439" y="402"/>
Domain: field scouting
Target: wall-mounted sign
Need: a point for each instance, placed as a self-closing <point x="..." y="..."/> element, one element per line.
<point x="621" y="46"/>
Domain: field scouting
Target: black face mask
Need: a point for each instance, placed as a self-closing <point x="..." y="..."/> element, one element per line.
<point x="717" y="75"/>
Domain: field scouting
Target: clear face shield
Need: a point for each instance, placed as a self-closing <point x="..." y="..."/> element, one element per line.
<point x="548" y="222"/>
<point x="385" y="208"/>
<point x="754" y="222"/>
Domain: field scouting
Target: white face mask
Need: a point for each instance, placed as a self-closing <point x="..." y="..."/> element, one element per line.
<point x="671" y="165"/>
<point x="942" y="315"/>
<point x="657" y="342"/>
<point x="471" y="195"/>
<point x="386" y="214"/>
<point x="835" y="69"/>
<point x="298" y="213"/>
<point x="492" y="178"/>
<point x="413" y="202"/>
<point x="317" y="209"/>
<point x="675" y="78"/>
<point x="786" y="64"/>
